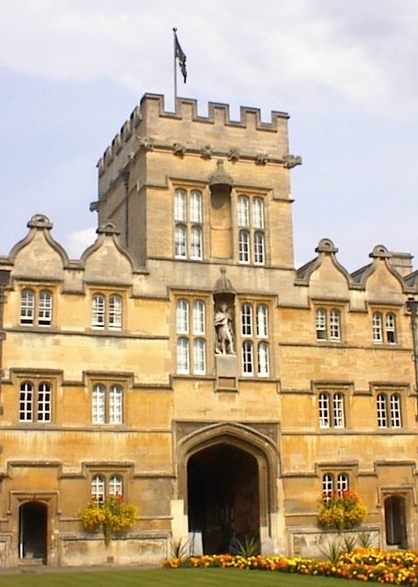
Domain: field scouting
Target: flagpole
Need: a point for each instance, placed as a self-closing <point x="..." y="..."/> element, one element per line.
<point x="175" y="69"/>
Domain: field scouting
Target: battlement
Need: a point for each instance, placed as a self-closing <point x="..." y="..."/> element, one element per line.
<point x="151" y="127"/>
<point x="187" y="109"/>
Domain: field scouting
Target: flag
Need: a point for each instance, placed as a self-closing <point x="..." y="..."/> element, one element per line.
<point x="181" y="56"/>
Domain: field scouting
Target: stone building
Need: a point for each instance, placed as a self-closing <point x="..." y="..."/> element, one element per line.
<point x="185" y="363"/>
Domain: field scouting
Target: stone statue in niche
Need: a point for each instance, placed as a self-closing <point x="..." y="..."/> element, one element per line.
<point x="224" y="333"/>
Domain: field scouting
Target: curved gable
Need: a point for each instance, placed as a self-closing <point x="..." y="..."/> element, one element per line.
<point x="380" y="279"/>
<point x="106" y="261"/>
<point x="324" y="275"/>
<point x="38" y="255"/>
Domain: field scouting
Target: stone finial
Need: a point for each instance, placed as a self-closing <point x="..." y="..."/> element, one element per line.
<point x="220" y="177"/>
<point x="223" y="283"/>
<point x="380" y="252"/>
<point x="326" y="245"/>
<point x="291" y="161"/>
<point x="40" y="221"/>
<point x="108" y="228"/>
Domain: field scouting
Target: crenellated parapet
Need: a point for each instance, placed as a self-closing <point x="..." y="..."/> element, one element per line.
<point x="185" y="132"/>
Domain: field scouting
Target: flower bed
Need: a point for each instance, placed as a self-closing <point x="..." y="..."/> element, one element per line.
<point x="364" y="564"/>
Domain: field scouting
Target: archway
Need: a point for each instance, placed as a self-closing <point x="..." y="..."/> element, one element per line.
<point x="33" y="518"/>
<point x="223" y="496"/>
<point x="395" y="520"/>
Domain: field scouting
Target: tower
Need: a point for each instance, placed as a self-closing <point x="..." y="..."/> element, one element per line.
<point x="172" y="182"/>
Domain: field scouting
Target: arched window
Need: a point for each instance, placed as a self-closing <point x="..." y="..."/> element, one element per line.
<point x="258" y="213"/>
<point x="107" y="404"/>
<point x="342" y="483"/>
<point x="182" y="355"/>
<point x="338" y="410"/>
<point x="262" y="321"/>
<point x="116" y="485"/>
<point x="255" y="353"/>
<point x="331" y="410"/>
<point x="334" y="325"/>
<point x="98" y="311"/>
<point x="259" y="248"/>
<point x="243" y="211"/>
<point x="263" y="359"/>
<point x="251" y="237"/>
<point x="191" y="320"/>
<point x="196" y="243"/>
<point x="182" y="317"/>
<point x="390" y="328"/>
<point x="44" y="402"/>
<point x="244" y="246"/>
<point x="35" y="402"/>
<point x="115" y="404"/>
<point x="27" y="306"/>
<point x="180" y="205"/>
<point x="389" y="413"/>
<point x="180" y="244"/>
<point x="198" y="317"/>
<point x="26" y="402"/>
<point x="98" y="404"/>
<point x="98" y="488"/>
<point x="377" y="327"/>
<point x="45" y="308"/>
<point x="107" y="311"/>
<point x="199" y="356"/>
<point x="188" y="227"/>
<point x="115" y="312"/>
<point x="324" y="412"/>
<point x="328" y="324"/>
<point x="332" y="484"/>
<point x="248" y="358"/>
<point x="195" y="206"/>
<point x="327" y="486"/>
<point x="247" y="320"/>
<point x="384" y="327"/>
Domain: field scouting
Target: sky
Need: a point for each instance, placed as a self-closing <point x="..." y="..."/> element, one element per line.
<point x="72" y="71"/>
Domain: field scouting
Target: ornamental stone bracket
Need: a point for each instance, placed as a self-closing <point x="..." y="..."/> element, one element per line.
<point x="291" y="161"/>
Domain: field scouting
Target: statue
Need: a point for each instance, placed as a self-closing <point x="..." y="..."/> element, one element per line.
<point x="223" y="327"/>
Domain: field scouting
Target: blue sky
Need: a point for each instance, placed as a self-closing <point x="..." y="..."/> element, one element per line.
<point x="71" y="72"/>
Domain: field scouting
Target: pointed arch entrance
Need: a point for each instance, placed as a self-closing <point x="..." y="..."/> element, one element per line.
<point x="227" y="481"/>
<point x="223" y="496"/>
<point x="33" y="519"/>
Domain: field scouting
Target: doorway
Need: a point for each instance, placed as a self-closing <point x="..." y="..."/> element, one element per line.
<point x="33" y="517"/>
<point x="395" y="520"/>
<point x="223" y="496"/>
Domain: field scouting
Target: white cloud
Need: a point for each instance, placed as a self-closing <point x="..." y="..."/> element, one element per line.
<point x="344" y="69"/>
<point x="365" y="51"/>
<point x="78" y="241"/>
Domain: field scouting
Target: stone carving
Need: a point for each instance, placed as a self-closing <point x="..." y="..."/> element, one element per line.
<point x="234" y="154"/>
<point x="291" y="161"/>
<point x="146" y="143"/>
<point x="224" y="333"/>
<point x="179" y="149"/>
<point x="261" y="159"/>
<point x="206" y="152"/>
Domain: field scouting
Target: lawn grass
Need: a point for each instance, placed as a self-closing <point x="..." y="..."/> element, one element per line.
<point x="168" y="578"/>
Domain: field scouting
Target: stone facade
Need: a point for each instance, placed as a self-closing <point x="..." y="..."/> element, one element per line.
<point x="185" y="363"/>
